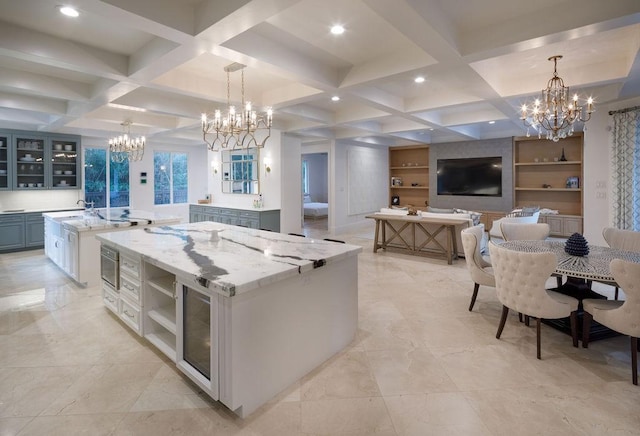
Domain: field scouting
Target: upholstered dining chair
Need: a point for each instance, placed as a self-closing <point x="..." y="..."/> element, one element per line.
<point x="524" y="231"/>
<point x="495" y="231"/>
<point x="621" y="316"/>
<point x="520" y="286"/>
<point x="479" y="269"/>
<point x="527" y="232"/>
<point x="627" y="240"/>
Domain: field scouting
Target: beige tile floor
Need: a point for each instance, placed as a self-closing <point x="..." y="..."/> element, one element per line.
<point x="421" y="364"/>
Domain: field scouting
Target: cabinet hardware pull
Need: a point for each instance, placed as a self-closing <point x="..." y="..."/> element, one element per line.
<point x="128" y="314"/>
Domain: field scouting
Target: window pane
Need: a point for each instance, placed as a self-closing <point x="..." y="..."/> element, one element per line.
<point x="95" y="176"/>
<point x="119" y="184"/>
<point x="161" y="178"/>
<point x="180" y="177"/>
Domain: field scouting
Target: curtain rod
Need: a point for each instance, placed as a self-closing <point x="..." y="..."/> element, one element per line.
<point x="621" y="111"/>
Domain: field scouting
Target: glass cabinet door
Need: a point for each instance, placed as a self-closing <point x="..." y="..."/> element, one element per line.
<point x="29" y="162"/>
<point x="64" y="163"/>
<point x="5" y="161"/>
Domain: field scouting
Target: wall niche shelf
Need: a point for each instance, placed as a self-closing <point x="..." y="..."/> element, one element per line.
<point x="529" y="178"/>
<point x="408" y="164"/>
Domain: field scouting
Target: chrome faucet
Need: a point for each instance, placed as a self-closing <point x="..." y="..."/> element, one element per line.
<point x="87" y="203"/>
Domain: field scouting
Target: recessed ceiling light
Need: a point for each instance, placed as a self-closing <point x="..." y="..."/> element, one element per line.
<point x="335" y="98"/>
<point x="492" y="122"/>
<point x="337" y="29"/>
<point x="69" y="11"/>
<point x="431" y="129"/>
<point x="419" y="79"/>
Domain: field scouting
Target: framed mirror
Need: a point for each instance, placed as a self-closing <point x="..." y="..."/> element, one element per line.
<point x="240" y="171"/>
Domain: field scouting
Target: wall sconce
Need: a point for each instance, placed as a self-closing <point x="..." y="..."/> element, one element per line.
<point x="267" y="165"/>
<point x="214" y="167"/>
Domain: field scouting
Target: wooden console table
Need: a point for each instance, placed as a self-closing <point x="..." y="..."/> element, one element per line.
<point x="398" y="223"/>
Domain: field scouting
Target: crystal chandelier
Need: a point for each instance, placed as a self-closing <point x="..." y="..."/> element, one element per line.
<point x="236" y="130"/>
<point x="125" y="147"/>
<point x="555" y="113"/>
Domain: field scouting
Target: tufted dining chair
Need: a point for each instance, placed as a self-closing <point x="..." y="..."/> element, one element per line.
<point x="627" y="240"/>
<point x="495" y="231"/>
<point x="520" y="286"/>
<point x="479" y="269"/>
<point x="524" y="231"/>
<point x="527" y="232"/>
<point x="621" y="316"/>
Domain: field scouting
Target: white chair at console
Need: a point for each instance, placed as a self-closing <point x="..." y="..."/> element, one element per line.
<point x="496" y="232"/>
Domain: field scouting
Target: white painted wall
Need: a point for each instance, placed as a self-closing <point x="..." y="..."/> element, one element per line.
<point x="342" y="221"/>
<point x="269" y="182"/>
<point x="291" y="193"/>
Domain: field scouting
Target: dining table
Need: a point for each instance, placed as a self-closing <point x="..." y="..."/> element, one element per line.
<point x="580" y="272"/>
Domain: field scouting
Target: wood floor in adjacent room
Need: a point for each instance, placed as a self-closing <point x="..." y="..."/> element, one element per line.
<point x="421" y="364"/>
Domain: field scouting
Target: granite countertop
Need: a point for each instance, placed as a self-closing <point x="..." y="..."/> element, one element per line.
<point x="240" y="260"/>
<point x="102" y="219"/>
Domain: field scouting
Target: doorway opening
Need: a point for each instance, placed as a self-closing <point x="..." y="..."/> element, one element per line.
<point x="315" y="190"/>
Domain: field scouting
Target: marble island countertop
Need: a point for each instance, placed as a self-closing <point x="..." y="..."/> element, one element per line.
<point x="101" y="219"/>
<point x="240" y="260"/>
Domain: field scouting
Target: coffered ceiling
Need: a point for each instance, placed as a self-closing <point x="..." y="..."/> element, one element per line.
<point x="159" y="63"/>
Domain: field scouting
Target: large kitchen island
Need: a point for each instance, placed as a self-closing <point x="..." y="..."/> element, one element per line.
<point x="243" y="313"/>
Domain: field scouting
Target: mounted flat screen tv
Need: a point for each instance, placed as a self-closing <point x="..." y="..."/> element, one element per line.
<point x="477" y="176"/>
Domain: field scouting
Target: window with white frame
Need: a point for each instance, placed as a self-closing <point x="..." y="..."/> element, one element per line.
<point x="170" y="177"/>
<point x="106" y="183"/>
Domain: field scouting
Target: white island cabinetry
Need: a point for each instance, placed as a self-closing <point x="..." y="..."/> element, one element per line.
<point x="70" y="238"/>
<point x="248" y="314"/>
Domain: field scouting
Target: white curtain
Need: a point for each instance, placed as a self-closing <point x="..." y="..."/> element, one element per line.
<point x="626" y="170"/>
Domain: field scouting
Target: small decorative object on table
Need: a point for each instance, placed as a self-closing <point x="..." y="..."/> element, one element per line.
<point x="412" y="210"/>
<point x="576" y="245"/>
<point x="395" y="200"/>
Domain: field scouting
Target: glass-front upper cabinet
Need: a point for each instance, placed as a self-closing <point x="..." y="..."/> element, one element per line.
<point x="29" y="161"/>
<point x="64" y="163"/>
<point x="5" y="161"/>
<point x="240" y="172"/>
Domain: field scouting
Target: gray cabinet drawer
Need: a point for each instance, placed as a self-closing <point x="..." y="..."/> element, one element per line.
<point x="250" y="214"/>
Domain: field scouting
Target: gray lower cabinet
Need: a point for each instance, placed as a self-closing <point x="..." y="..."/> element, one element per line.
<point x="21" y="231"/>
<point x="12" y="235"/>
<point x="34" y="230"/>
<point x="254" y="219"/>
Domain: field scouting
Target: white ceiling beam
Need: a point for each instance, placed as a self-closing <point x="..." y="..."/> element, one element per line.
<point x="40" y="84"/>
<point x="41" y="48"/>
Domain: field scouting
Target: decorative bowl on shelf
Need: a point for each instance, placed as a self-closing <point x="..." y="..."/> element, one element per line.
<point x="68" y="147"/>
<point x="68" y="173"/>
<point x="57" y="172"/>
